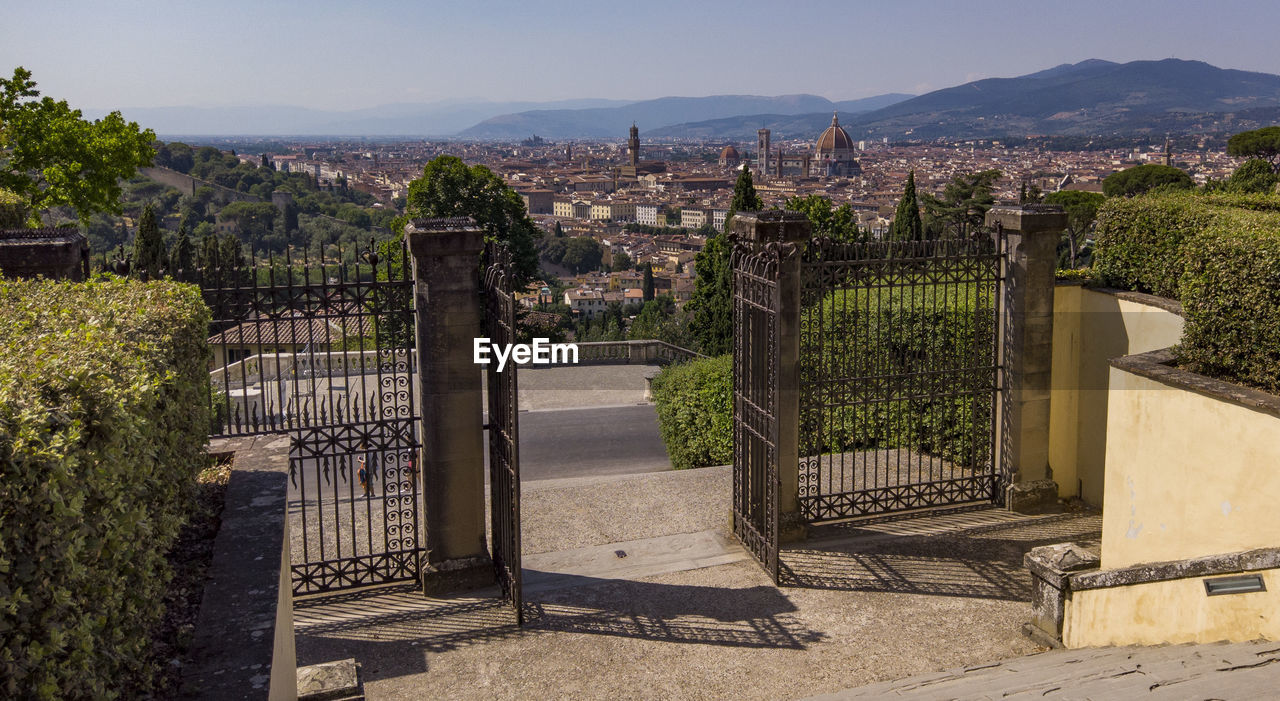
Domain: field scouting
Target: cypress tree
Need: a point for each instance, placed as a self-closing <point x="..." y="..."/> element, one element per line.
<point x="906" y="220"/>
<point x="647" y="285"/>
<point x="181" y="257"/>
<point x="148" y="247"/>
<point x="745" y="198"/>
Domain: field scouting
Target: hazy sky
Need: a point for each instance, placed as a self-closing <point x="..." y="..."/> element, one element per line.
<point x="348" y="55"/>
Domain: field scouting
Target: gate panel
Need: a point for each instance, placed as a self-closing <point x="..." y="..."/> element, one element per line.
<point x="324" y="354"/>
<point x="898" y="376"/>
<point x="504" y="429"/>
<point x="755" y="402"/>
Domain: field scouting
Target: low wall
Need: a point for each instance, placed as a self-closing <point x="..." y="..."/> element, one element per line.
<point x="633" y="353"/>
<point x="1090" y="327"/>
<point x="1191" y="465"/>
<point x="243" y="646"/>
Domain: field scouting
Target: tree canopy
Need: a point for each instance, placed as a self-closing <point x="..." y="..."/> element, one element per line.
<point x="839" y="223"/>
<point x="148" y="247"/>
<point x="1082" y="210"/>
<point x="51" y="156"/>
<point x="1254" y="175"/>
<point x="582" y="253"/>
<point x="745" y="198"/>
<point x="450" y="188"/>
<point x="1143" y="178"/>
<point x="963" y="205"/>
<point x="1261" y="143"/>
<point x="710" y="306"/>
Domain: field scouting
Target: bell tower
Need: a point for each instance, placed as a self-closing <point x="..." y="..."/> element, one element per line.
<point x="633" y="147"/>
<point x="762" y="152"/>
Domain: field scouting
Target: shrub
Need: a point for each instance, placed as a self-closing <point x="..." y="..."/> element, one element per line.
<point x="1230" y="293"/>
<point x="103" y="420"/>
<point x="1145" y="178"/>
<point x="1138" y="242"/>
<point x="695" y="411"/>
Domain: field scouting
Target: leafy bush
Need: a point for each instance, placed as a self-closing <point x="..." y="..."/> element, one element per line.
<point x="1138" y="242"/>
<point x="865" y="333"/>
<point x="1230" y="293"/>
<point x="103" y="421"/>
<point x="695" y="411"/>
<point x="1145" y="178"/>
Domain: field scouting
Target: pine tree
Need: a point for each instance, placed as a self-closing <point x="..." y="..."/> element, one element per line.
<point x="148" y="247"/>
<point x="181" y="258"/>
<point x="647" y="285"/>
<point x="906" y="220"/>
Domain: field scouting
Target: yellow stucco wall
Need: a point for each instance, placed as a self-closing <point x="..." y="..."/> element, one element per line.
<point x="1090" y="328"/>
<point x="1176" y="611"/>
<point x="1188" y="475"/>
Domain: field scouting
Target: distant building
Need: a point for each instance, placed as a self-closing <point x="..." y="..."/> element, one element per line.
<point x="833" y="155"/>
<point x="729" y="157"/>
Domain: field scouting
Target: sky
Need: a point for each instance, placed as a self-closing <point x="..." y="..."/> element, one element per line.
<point x="332" y="55"/>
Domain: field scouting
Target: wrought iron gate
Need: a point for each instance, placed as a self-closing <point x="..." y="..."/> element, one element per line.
<point x="755" y="401"/>
<point x="504" y="429"/>
<point x="898" y="375"/>
<point x="324" y="353"/>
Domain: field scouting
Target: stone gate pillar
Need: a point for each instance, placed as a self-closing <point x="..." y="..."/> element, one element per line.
<point x="446" y="273"/>
<point x="1026" y="352"/>
<point x="758" y="229"/>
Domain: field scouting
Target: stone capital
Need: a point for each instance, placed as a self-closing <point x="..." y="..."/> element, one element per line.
<point x="451" y="236"/>
<point x="771" y="226"/>
<point x="1028" y="219"/>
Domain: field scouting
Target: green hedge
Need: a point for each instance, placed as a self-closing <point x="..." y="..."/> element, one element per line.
<point x="896" y="333"/>
<point x="1230" y="293"/>
<point x="103" y="420"/>
<point x="695" y="411"/>
<point x="1138" y="242"/>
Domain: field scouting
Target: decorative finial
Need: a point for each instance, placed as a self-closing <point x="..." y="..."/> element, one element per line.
<point x="835" y="118"/>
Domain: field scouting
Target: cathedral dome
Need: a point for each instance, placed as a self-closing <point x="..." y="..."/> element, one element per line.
<point x="729" y="156"/>
<point x="834" y="140"/>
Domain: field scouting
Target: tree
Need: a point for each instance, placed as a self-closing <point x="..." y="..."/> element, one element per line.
<point x="148" y="247"/>
<point x="50" y="156"/>
<point x="581" y="254"/>
<point x="1254" y="175"/>
<point x="1082" y="210"/>
<point x="449" y="188"/>
<point x="647" y="284"/>
<point x="745" y="198"/>
<point x="963" y="205"/>
<point x="253" y="220"/>
<point x="182" y="258"/>
<point x="710" y="307"/>
<point x="1261" y="143"/>
<point x="621" y="261"/>
<point x="1143" y="178"/>
<point x="654" y="318"/>
<point x="906" y="219"/>
<point x="209" y="256"/>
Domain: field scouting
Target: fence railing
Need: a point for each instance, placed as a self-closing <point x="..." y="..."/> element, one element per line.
<point x="633" y="353"/>
<point x="268" y="367"/>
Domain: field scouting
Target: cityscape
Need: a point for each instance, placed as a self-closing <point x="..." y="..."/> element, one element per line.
<point x="658" y="351"/>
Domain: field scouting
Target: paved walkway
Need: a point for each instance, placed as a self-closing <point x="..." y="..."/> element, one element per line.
<point x="636" y="590"/>
<point x="1215" y="671"/>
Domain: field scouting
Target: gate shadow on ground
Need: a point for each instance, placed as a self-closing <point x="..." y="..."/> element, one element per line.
<point x="396" y="625"/>
<point x="982" y="562"/>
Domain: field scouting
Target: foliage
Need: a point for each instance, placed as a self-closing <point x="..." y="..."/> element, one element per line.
<point x="621" y="261"/>
<point x="50" y="156"/>
<point x="646" y="284"/>
<point x="1138" y="242"/>
<point x="907" y="225"/>
<point x="710" y="306"/>
<point x="1140" y="179"/>
<point x="102" y="431"/>
<point x="694" y="402"/>
<point x="148" y="247"/>
<point x="1254" y="175"/>
<point x="1230" y="292"/>
<point x="1082" y="211"/>
<point x="450" y="188"/>
<point x="1261" y="143"/>
<point x="14" y="212"/>
<point x="659" y="319"/>
<point x="744" y="199"/>
<point x="839" y="223"/>
<point x="581" y="253"/>
<point x="960" y="212"/>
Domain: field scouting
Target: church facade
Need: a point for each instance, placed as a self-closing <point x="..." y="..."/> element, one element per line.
<point x="833" y="156"/>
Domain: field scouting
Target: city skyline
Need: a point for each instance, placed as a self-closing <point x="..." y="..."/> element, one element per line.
<point x="328" y="56"/>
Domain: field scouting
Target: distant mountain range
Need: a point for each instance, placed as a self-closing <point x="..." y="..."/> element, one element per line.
<point x="1093" y="97"/>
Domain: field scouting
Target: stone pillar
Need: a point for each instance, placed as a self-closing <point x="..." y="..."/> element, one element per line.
<point x="446" y="273"/>
<point x="1026" y="352"/>
<point x="789" y="229"/>
<point x="1051" y="568"/>
<point x="55" y="253"/>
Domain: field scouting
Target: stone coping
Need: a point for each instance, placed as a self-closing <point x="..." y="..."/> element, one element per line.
<point x="233" y="650"/>
<point x="1244" y="561"/>
<point x="1172" y="306"/>
<point x="1159" y="366"/>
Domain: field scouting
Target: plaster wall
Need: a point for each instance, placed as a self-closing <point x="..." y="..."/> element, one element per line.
<point x="1089" y="328"/>
<point x="1188" y="475"/>
<point x="1174" y="611"/>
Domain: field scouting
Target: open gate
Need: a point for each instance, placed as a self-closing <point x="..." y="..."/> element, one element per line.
<point x="504" y="428"/>
<point x="755" y="401"/>
<point x="898" y="375"/>
<point x="324" y="353"/>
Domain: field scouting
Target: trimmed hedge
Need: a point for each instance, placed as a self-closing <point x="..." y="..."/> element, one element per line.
<point x="1219" y="254"/>
<point x="103" y="421"/>
<point x="695" y="411"/>
<point x="1230" y="291"/>
<point x="877" y="332"/>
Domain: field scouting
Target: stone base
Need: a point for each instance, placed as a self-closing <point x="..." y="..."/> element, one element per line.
<point x="329" y="681"/>
<point x="1050" y="567"/>
<point x="793" y="528"/>
<point x="461" y="574"/>
<point x="1031" y="497"/>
